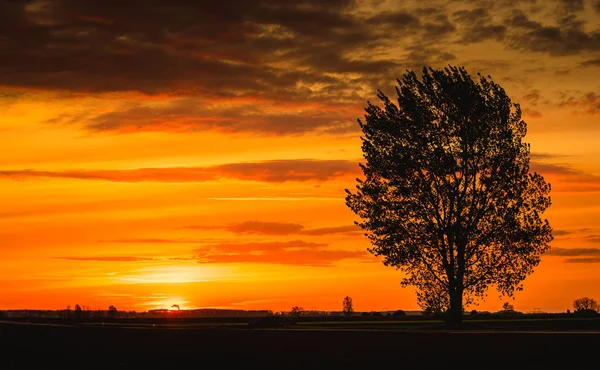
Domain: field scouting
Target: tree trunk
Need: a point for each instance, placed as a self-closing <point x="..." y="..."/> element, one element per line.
<point x="454" y="314"/>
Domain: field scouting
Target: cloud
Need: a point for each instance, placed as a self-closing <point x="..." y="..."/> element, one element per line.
<point x="583" y="260"/>
<point x="572" y="6"/>
<point x="556" y="40"/>
<point x="324" y="258"/>
<point x="562" y="232"/>
<point x="591" y="63"/>
<point x="593" y="238"/>
<point x="295" y="252"/>
<point x="278" y="228"/>
<point x="264" y="116"/>
<point x="277" y="171"/>
<point x="588" y="103"/>
<point x="566" y="178"/>
<point x="163" y="241"/>
<point x="520" y="19"/>
<point x="531" y="113"/>
<point x="126" y="259"/>
<point x="533" y="97"/>
<point x="228" y="48"/>
<point x="577" y="255"/>
<point x="477" y="26"/>
<point x="235" y="65"/>
<point x="350" y="230"/>
<point x="255" y="227"/>
<point x="574" y="252"/>
<point x="292" y="252"/>
<point x="109" y="258"/>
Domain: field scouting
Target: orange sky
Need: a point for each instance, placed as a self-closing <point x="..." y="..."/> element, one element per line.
<point x="198" y="154"/>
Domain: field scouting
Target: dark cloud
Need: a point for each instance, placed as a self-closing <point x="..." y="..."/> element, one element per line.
<point x="278" y="228"/>
<point x="477" y="26"/>
<point x="570" y="232"/>
<point x="577" y="255"/>
<point x="296" y="252"/>
<point x="532" y="113"/>
<point x="109" y="258"/>
<point x="195" y="115"/>
<point x="126" y="259"/>
<point x="592" y="63"/>
<point x="163" y="241"/>
<point x="201" y="53"/>
<point x="277" y="171"/>
<point x="561" y="232"/>
<point x="574" y="252"/>
<point x="571" y="5"/>
<point x="537" y="156"/>
<point x="567" y="178"/>
<point x="256" y="227"/>
<point x="399" y="20"/>
<point x="588" y="103"/>
<point x="223" y="48"/>
<point x="557" y="41"/>
<point x="532" y="97"/>
<point x="350" y="229"/>
<point x="583" y="260"/>
<point x="519" y="19"/>
<point x="593" y="238"/>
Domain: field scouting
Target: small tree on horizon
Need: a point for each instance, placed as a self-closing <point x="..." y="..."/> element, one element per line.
<point x="296" y="311"/>
<point x="347" y="306"/>
<point x="586" y="304"/>
<point x="507" y="307"/>
<point x="112" y="311"/>
<point x="448" y="197"/>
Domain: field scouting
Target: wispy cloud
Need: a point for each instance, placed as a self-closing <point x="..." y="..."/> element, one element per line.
<point x="295" y="252"/>
<point x="277" y="171"/>
<point x="278" y="228"/>
<point x="577" y="255"/>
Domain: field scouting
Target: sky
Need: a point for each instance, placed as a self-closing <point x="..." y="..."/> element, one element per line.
<point x="196" y="152"/>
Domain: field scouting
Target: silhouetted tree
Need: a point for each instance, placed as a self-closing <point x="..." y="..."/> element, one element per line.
<point x="347" y="306"/>
<point x="112" y="311"/>
<point x="399" y="313"/>
<point x="585" y="304"/>
<point x="296" y="311"/>
<point x="77" y="312"/>
<point x="448" y="197"/>
<point x="507" y="307"/>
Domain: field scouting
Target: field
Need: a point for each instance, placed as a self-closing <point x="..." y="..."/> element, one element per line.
<point x="310" y="344"/>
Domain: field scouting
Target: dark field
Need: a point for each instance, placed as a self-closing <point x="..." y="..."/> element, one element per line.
<point x="200" y="344"/>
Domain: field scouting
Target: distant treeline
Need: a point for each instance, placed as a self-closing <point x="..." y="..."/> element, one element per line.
<point x="88" y="314"/>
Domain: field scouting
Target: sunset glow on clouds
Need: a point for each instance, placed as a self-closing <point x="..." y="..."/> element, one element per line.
<point x="196" y="153"/>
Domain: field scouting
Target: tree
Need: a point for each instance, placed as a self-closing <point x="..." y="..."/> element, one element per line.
<point x="112" y="311"/>
<point x="448" y="197"/>
<point x="399" y="313"/>
<point x="585" y="304"/>
<point x="507" y="307"/>
<point x="296" y="311"/>
<point x="347" y="306"/>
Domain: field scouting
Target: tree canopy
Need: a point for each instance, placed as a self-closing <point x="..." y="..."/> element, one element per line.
<point x="447" y="196"/>
<point x="586" y="304"/>
<point x="347" y="306"/>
